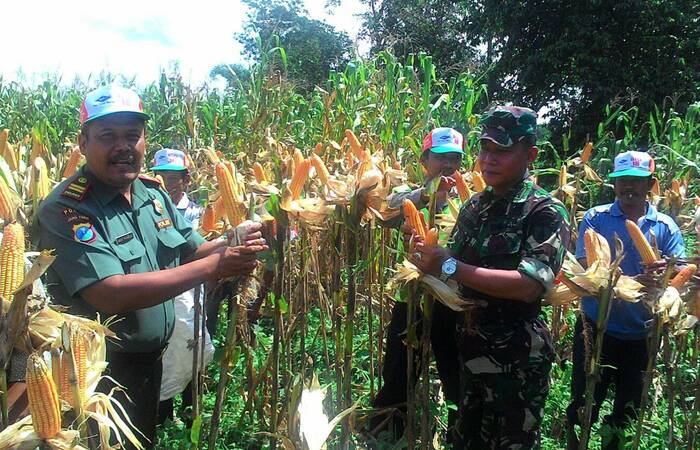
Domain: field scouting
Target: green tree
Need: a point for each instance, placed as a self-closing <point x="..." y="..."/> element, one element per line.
<point x="312" y="48"/>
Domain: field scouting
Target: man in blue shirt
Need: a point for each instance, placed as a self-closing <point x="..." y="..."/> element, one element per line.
<point x="625" y="352"/>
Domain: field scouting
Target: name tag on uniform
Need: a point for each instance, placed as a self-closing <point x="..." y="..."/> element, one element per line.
<point x="165" y="223"/>
<point x="124" y="239"/>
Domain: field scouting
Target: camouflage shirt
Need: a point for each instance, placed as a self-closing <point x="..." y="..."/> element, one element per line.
<point x="525" y="230"/>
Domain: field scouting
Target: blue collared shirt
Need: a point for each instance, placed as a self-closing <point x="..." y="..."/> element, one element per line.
<point x="628" y="320"/>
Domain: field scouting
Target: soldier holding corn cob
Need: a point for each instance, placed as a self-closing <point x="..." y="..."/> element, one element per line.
<point x="624" y="353"/>
<point x="123" y="249"/>
<point x="441" y="157"/>
<point x="507" y="246"/>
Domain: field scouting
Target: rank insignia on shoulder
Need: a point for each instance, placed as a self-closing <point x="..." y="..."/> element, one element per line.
<point x="84" y="232"/>
<point x="158" y="206"/>
<point x="77" y="189"/>
<point x="165" y="223"/>
<point x="151" y="180"/>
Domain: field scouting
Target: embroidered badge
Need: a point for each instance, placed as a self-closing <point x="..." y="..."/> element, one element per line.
<point x="77" y="189"/>
<point x="165" y="223"/>
<point x="85" y="233"/>
<point x="124" y="238"/>
<point x="158" y="206"/>
<point x="73" y="215"/>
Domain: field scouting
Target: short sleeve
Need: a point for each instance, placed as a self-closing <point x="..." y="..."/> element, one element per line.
<point x="674" y="245"/>
<point x="192" y="237"/>
<point x="545" y="245"/>
<point x="83" y="255"/>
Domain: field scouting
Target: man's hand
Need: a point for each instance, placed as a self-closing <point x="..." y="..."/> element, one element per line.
<point x="444" y="188"/>
<point x="246" y="231"/>
<point x="240" y="260"/>
<point x="428" y="259"/>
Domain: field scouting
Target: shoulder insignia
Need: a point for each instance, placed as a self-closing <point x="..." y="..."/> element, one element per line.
<point x="151" y="180"/>
<point x="76" y="189"/>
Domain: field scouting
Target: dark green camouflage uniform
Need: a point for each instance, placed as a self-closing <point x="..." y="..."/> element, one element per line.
<point x="505" y="348"/>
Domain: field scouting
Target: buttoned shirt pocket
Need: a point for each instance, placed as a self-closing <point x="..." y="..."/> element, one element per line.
<point x="131" y="255"/>
<point x="501" y="249"/>
<point x="169" y="242"/>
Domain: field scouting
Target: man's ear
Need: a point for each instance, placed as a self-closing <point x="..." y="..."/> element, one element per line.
<point x="82" y="140"/>
<point x="532" y="154"/>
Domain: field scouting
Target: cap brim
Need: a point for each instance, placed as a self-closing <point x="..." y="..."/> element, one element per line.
<point x="170" y="167"/>
<point x="635" y="172"/>
<point x="141" y="115"/>
<point x="496" y="136"/>
<point x="446" y="149"/>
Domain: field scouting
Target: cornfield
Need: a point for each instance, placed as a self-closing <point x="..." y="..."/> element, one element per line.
<point x="302" y="340"/>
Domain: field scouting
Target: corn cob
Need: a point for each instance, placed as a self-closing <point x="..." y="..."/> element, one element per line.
<point x="413" y="218"/>
<point x="587" y="152"/>
<point x="40" y="185"/>
<point x="73" y="161"/>
<point x="259" y="173"/>
<point x="431" y="237"/>
<point x="478" y="182"/>
<point x="300" y="174"/>
<point x="6" y="150"/>
<point x="590" y="244"/>
<point x="78" y="359"/>
<point x="11" y="260"/>
<point x="297" y="157"/>
<point x="8" y="202"/>
<point x="355" y="145"/>
<point x="318" y="149"/>
<point x="38" y="148"/>
<point x="477" y="166"/>
<point x="562" y="176"/>
<point x="43" y="398"/>
<point x="209" y="219"/>
<point x="321" y="169"/>
<point x="234" y="212"/>
<point x="640" y="242"/>
<point x="219" y="209"/>
<point x="462" y="188"/>
<point x="349" y="159"/>
<point x="683" y="276"/>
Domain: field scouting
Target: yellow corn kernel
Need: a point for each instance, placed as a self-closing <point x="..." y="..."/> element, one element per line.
<point x="209" y="219"/>
<point x="562" y="176"/>
<point x="590" y="244"/>
<point x="318" y="149"/>
<point x="301" y="173"/>
<point x="44" y="405"/>
<point x="6" y="150"/>
<point x="73" y="161"/>
<point x="477" y="166"/>
<point x="462" y="188"/>
<point x="259" y="173"/>
<point x="478" y="182"/>
<point x="39" y="186"/>
<point x="640" y="242"/>
<point x="431" y="237"/>
<point x="297" y="157"/>
<point x="413" y="218"/>
<point x="355" y="145"/>
<point x="11" y="260"/>
<point x="683" y="276"/>
<point x="321" y="169"/>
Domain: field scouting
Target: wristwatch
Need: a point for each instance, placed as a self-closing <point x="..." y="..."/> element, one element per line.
<point x="449" y="267"/>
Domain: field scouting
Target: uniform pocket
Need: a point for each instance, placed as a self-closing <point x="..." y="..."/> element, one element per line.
<point x="169" y="241"/>
<point x="130" y="253"/>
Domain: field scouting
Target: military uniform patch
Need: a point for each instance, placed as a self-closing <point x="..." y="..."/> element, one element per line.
<point x="77" y="189"/>
<point x="85" y="233"/>
<point x="124" y="238"/>
<point x="73" y="216"/>
<point x="165" y="223"/>
<point x="158" y="206"/>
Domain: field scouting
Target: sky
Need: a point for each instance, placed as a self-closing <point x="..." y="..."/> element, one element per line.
<point x="134" y="38"/>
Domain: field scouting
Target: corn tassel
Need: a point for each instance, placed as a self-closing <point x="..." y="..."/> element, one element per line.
<point x="44" y="405"/>
<point x="587" y="152"/>
<point x="478" y="181"/>
<point x="462" y="188"/>
<point x="640" y="242"/>
<point x="73" y="161"/>
<point x="321" y="169"/>
<point x="259" y="173"/>
<point x="683" y="276"/>
<point x="301" y="173"/>
<point x="234" y="212"/>
<point x="413" y="218"/>
<point x="11" y="260"/>
<point x="9" y="201"/>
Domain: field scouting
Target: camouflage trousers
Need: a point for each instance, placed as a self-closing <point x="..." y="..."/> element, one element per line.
<point x="503" y="410"/>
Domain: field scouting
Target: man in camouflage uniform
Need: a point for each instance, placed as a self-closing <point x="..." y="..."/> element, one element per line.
<point x="507" y="247"/>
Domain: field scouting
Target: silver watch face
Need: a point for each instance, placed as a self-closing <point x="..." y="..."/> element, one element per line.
<point x="449" y="267"/>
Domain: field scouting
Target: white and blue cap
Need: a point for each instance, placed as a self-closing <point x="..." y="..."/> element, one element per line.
<point x="443" y="140"/>
<point x="633" y="164"/>
<point x="169" y="159"/>
<point x="107" y="100"/>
